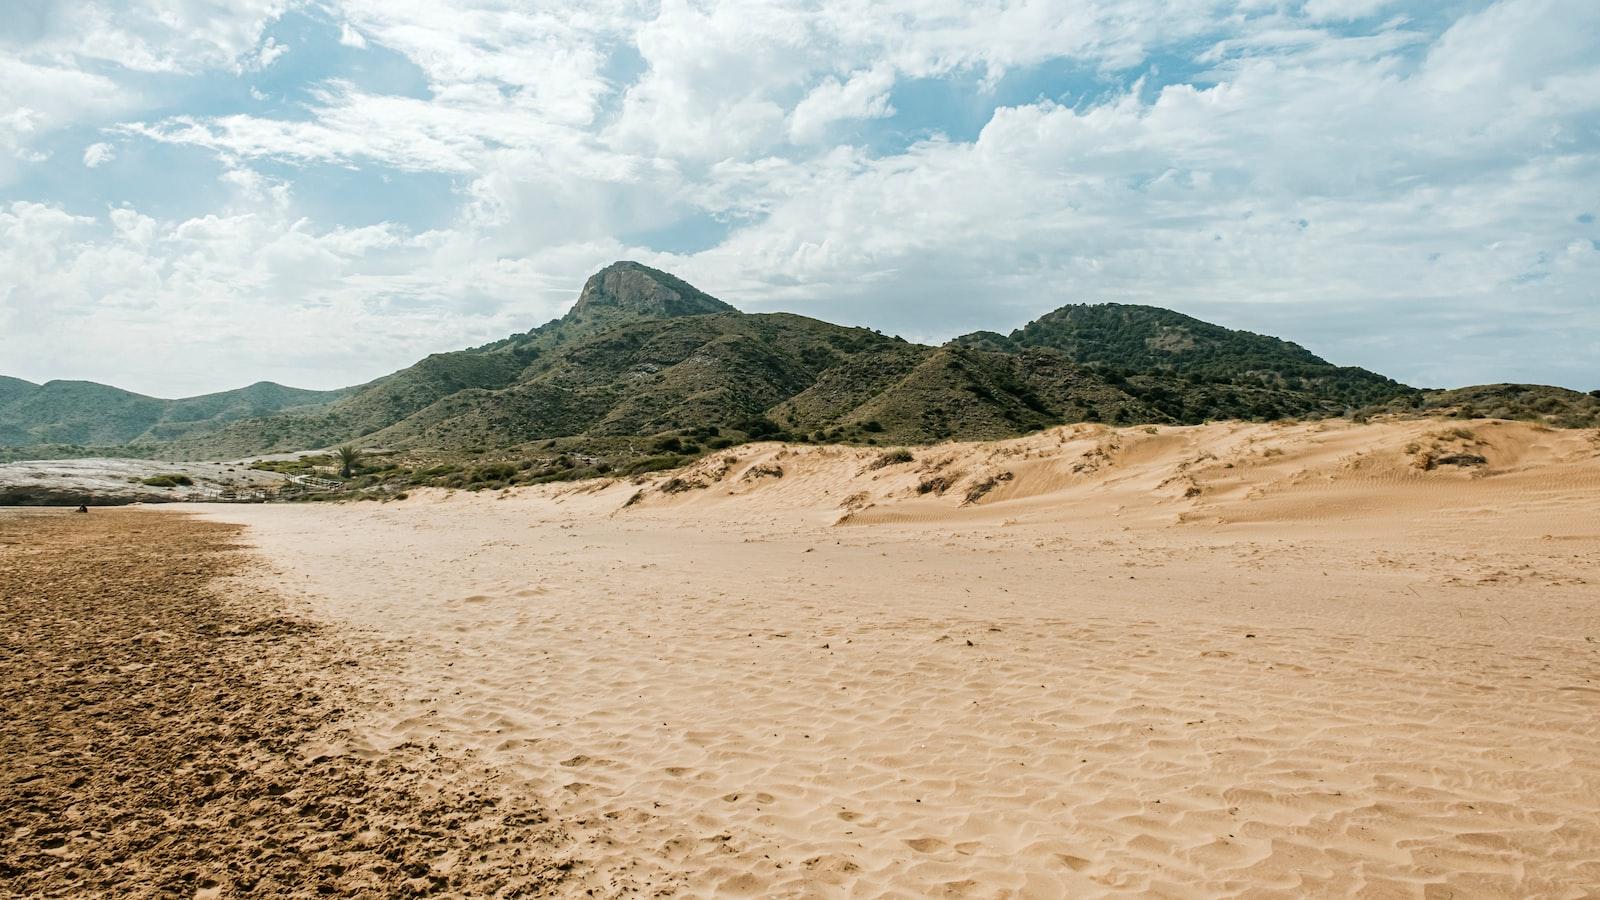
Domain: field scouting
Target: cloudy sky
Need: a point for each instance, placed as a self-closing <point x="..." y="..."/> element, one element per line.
<point x="198" y="194"/>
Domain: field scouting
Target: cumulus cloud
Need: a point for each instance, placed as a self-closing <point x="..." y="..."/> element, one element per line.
<point x="864" y="95"/>
<point x="1337" y="171"/>
<point x="97" y="155"/>
<point x="36" y="100"/>
<point x="148" y="35"/>
<point x="271" y="51"/>
<point x="167" y="306"/>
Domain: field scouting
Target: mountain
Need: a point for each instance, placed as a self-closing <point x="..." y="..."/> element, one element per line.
<point x="643" y="352"/>
<point x="1192" y="370"/>
<point x="86" y="413"/>
<point x="644" y="359"/>
<point x="620" y="294"/>
<point x="1554" y="406"/>
<point x="627" y="291"/>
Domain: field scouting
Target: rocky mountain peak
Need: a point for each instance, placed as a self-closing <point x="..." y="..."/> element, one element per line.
<point x="629" y="290"/>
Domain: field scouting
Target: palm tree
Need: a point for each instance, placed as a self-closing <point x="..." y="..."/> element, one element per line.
<point x="349" y="457"/>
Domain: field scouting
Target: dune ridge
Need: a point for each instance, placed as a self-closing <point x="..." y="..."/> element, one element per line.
<point x="1218" y="660"/>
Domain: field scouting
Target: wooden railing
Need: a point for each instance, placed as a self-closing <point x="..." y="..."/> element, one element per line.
<point x="292" y="485"/>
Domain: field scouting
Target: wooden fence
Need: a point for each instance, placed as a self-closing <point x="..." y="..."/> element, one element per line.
<point x="293" y="485"/>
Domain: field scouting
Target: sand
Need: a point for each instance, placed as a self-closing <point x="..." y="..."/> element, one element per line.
<point x="1292" y="660"/>
<point x="163" y="738"/>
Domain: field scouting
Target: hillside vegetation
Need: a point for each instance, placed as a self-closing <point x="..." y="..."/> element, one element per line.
<point x="85" y="413"/>
<point x="1553" y="406"/>
<point x="646" y="369"/>
<point x="1143" y="344"/>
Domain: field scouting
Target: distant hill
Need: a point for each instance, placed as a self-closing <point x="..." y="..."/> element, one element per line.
<point x="644" y="355"/>
<point x="86" y="413"/>
<point x="1553" y="406"/>
<point x="1187" y="368"/>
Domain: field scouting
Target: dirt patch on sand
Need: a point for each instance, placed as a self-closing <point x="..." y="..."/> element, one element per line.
<point x="163" y="737"/>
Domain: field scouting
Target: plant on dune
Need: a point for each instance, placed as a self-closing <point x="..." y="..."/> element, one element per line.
<point x="891" y="458"/>
<point x="348" y="457"/>
<point x="979" y="490"/>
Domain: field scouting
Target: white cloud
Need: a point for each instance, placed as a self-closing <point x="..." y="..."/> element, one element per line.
<point x="270" y="52"/>
<point x="1316" y="178"/>
<point x="154" y="35"/>
<point x="350" y="37"/>
<point x="97" y="155"/>
<point x="865" y="95"/>
<point x="172" y="307"/>
<point x="36" y="100"/>
<point x="1345" y="10"/>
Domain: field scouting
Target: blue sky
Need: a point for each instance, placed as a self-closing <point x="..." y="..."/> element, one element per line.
<point x="197" y="194"/>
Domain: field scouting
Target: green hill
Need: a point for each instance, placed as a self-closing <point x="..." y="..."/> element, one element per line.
<point x="1554" y="406"/>
<point x="620" y="294"/>
<point x="86" y="413"/>
<point x="1192" y="370"/>
<point x="643" y="357"/>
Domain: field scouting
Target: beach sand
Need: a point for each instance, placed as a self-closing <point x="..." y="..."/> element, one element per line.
<point x="164" y="738"/>
<point x="1225" y="660"/>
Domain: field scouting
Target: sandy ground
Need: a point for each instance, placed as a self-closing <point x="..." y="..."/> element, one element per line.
<point x="163" y="738"/>
<point x="1224" y="660"/>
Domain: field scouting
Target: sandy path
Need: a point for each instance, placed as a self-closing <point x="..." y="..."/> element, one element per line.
<point x="1381" y="684"/>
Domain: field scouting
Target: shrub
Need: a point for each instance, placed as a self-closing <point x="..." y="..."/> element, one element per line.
<point x="496" y="472"/>
<point x="759" y="427"/>
<point x="976" y="492"/>
<point x="168" y="481"/>
<point x="894" y="457"/>
<point x="654" y="464"/>
<point x="935" y="484"/>
<point x="763" y="471"/>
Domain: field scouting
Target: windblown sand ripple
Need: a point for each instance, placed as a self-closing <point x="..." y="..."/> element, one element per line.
<point x="1229" y="660"/>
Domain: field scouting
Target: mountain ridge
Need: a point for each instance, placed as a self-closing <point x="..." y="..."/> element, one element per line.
<point x="69" y="411"/>
<point x="642" y="352"/>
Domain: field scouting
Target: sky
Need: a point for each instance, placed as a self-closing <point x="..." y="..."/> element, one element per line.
<point x="200" y="194"/>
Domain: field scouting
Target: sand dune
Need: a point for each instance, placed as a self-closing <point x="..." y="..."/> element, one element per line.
<point x="1223" y="660"/>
